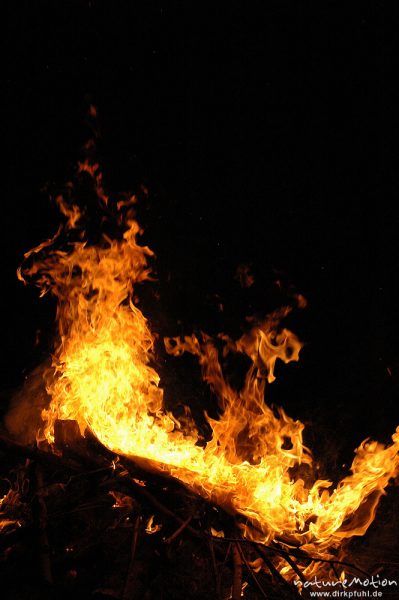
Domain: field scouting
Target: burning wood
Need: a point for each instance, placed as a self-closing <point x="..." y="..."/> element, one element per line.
<point x="116" y="491"/>
<point x="102" y="382"/>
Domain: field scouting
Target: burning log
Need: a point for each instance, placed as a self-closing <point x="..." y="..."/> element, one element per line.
<point x="11" y="447"/>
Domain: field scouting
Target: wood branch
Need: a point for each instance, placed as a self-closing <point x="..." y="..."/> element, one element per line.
<point x="294" y="553"/>
<point x="237" y="573"/>
<point x="226" y="556"/>
<point x="216" y="571"/>
<point x="328" y="561"/>
<point x="179" y="530"/>
<point x="49" y="459"/>
<point x="130" y="486"/>
<point x="295" y="567"/>
<point x="251" y="572"/>
<point x="130" y="583"/>
<point x="284" y="584"/>
<point x="41" y="516"/>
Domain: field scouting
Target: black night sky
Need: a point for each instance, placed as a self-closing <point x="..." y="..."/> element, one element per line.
<point x="266" y="134"/>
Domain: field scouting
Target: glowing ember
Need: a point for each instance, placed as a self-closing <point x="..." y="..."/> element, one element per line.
<point x="102" y="377"/>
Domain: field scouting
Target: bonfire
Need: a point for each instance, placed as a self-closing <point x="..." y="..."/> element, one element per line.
<point x="247" y="493"/>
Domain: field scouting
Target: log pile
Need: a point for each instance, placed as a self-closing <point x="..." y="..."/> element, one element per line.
<point x="81" y="522"/>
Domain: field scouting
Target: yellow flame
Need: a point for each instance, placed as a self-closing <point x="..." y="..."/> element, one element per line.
<point x="217" y="533"/>
<point x="150" y="527"/>
<point x="102" y="377"/>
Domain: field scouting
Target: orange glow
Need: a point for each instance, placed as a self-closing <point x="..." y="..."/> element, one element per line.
<point x="11" y="510"/>
<point x="102" y="377"/>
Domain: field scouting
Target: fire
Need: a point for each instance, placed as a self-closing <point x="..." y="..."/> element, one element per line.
<point x="101" y="376"/>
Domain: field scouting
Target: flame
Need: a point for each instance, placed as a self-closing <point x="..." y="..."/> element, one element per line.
<point x="101" y="376"/>
<point x="13" y="511"/>
<point x="150" y="527"/>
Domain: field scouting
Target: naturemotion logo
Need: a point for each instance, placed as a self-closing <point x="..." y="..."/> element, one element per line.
<point x="351" y="587"/>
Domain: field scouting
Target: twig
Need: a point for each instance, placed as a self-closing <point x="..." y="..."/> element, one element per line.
<point x="215" y="571"/>
<point x="130" y="582"/>
<point x="237" y="574"/>
<point x="251" y="572"/>
<point x="295" y="568"/>
<point x="334" y="568"/>
<point x="130" y="485"/>
<point x="294" y="553"/>
<point x="226" y="556"/>
<point x="276" y="574"/>
<point x="179" y="530"/>
<point x="41" y="509"/>
<point x="327" y="561"/>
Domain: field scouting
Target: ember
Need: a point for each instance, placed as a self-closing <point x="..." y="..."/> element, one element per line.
<point x="254" y="466"/>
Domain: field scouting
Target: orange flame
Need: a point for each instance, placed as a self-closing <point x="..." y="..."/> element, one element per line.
<point x="102" y="377"/>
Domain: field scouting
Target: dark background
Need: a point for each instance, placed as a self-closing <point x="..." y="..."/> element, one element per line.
<point x="266" y="134"/>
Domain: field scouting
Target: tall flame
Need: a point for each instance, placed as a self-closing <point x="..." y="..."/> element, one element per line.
<point x="102" y="377"/>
